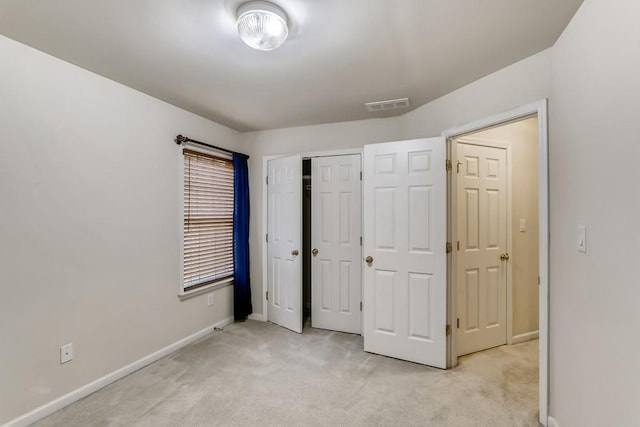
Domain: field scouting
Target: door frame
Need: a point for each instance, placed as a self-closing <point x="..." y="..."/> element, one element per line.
<point x="453" y="212"/>
<point x="539" y="109"/>
<point x="265" y="205"/>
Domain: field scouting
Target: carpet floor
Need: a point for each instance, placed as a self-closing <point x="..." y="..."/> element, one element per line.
<point x="256" y="373"/>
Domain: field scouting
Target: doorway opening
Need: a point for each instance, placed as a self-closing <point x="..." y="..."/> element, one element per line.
<point x="496" y="215"/>
<point x="306" y="242"/>
<point x="314" y="242"/>
<point x="498" y="227"/>
<point x="395" y="296"/>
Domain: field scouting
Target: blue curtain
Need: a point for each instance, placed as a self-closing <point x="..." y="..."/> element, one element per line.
<point x="241" y="283"/>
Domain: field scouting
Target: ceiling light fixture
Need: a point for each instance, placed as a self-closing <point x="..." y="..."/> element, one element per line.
<point x="262" y="25"/>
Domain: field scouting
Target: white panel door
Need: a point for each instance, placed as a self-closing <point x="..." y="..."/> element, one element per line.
<point x="284" y="246"/>
<point x="405" y="288"/>
<point x="482" y="235"/>
<point x="336" y="229"/>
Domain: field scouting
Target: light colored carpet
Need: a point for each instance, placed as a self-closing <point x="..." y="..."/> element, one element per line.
<point x="256" y="373"/>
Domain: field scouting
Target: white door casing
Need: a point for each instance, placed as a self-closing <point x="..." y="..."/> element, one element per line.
<point x="284" y="246"/>
<point x="336" y="230"/>
<point x="482" y="238"/>
<point x="405" y="233"/>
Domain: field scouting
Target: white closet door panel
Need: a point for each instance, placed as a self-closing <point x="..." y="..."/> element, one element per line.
<point x="284" y="248"/>
<point x="405" y="234"/>
<point x="336" y="275"/>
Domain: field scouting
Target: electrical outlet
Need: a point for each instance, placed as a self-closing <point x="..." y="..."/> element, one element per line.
<point x="66" y="353"/>
<point x="210" y="300"/>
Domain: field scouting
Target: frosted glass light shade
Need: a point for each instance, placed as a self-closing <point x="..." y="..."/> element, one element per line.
<point x="262" y="25"/>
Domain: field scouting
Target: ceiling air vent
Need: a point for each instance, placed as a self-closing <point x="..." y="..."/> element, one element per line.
<point x="391" y="104"/>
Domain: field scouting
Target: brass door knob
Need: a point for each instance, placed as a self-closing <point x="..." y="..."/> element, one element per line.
<point x="295" y="252"/>
<point x="314" y="252"/>
<point x="369" y="260"/>
<point x="504" y="257"/>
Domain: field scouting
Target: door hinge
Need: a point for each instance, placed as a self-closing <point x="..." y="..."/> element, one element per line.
<point x="447" y="330"/>
<point x="360" y="305"/>
<point x="458" y="323"/>
<point x="447" y="165"/>
<point x="360" y="240"/>
<point x="266" y="237"/>
<point x="458" y="245"/>
<point x="267" y="295"/>
<point x="538" y="280"/>
<point x="449" y="247"/>
<point x="267" y="180"/>
<point x="360" y="175"/>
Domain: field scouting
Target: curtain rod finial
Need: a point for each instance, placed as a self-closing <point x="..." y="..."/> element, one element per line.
<point x="180" y="139"/>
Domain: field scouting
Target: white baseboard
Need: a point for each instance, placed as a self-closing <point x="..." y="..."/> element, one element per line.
<point x="551" y="422"/>
<point x="525" y="337"/>
<point x="79" y="393"/>
<point x="256" y="316"/>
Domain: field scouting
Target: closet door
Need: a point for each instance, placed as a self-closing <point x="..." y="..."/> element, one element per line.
<point x="405" y="287"/>
<point x="284" y="242"/>
<point x="336" y="230"/>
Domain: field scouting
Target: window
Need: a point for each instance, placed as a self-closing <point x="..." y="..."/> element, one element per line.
<point x="208" y="220"/>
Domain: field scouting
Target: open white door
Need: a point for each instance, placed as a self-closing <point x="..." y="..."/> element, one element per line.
<point x="405" y="287"/>
<point x="336" y="227"/>
<point x="482" y="254"/>
<point x="284" y="242"/>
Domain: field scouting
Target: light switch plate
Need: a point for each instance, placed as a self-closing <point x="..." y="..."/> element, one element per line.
<point x="210" y="300"/>
<point x="523" y="225"/>
<point x="582" y="238"/>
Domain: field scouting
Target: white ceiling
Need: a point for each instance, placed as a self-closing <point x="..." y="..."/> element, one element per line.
<point x="339" y="55"/>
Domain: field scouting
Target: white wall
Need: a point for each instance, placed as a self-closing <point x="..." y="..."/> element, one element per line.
<point x="514" y="86"/>
<point x="594" y="149"/>
<point x="89" y="227"/>
<point x="521" y="83"/>
<point x="523" y="139"/>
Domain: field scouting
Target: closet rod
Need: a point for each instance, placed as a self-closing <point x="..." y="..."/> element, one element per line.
<point x="180" y="139"/>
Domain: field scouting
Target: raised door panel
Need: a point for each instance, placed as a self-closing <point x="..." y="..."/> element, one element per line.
<point x="385" y="218"/>
<point x="420" y="206"/>
<point x="420" y="307"/>
<point x="385" y="313"/>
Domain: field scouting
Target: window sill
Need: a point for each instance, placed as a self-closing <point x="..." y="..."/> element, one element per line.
<point x="205" y="289"/>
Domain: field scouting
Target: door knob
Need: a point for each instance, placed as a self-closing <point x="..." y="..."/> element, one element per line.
<point x="369" y="260"/>
<point x="504" y="257"/>
<point x="295" y="252"/>
<point x="314" y="252"/>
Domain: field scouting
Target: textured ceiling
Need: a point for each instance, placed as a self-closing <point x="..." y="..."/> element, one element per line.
<point x="339" y="55"/>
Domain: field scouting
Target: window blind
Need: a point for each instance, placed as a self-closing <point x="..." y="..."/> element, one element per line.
<point x="208" y="219"/>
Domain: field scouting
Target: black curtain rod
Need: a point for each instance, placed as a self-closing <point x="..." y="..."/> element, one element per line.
<point x="180" y="139"/>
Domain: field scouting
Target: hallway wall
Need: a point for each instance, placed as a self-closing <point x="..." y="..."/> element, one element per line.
<point x="594" y="150"/>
